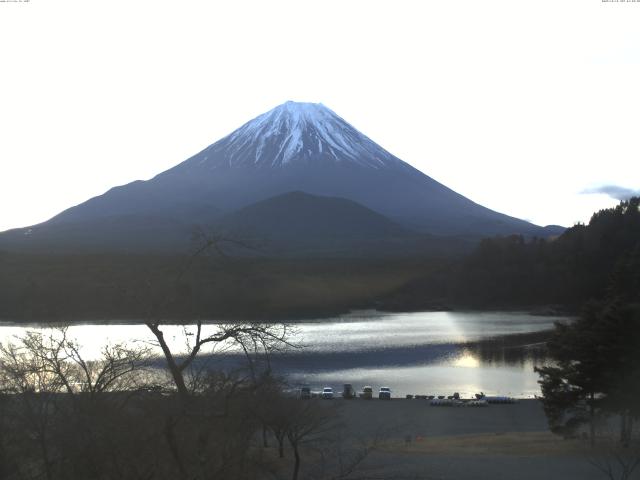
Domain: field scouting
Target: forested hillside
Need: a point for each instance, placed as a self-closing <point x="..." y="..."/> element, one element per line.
<point x="513" y="272"/>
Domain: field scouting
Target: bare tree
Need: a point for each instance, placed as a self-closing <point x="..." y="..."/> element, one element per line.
<point x="47" y="382"/>
<point x="59" y="356"/>
<point x="23" y="375"/>
<point x="615" y="459"/>
<point x="268" y="336"/>
<point x="253" y="338"/>
<point x="273" y="411"/>
<point x="308" y="423"/>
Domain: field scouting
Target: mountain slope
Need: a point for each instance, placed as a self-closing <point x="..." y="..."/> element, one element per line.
<point x="297" y="216"/>
<point x="133" y="233"/>
<point x="299" y="222"/>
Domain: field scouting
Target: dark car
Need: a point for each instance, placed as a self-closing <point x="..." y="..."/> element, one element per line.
<point x="348" y="392"/>
<point x="367" y="393"/>
<point x="305" y="393"/>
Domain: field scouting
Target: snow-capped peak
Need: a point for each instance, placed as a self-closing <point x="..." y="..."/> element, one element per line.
<point x="295" y="132"/>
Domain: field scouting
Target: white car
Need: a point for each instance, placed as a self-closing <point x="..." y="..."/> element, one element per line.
<point x="384" y="393"/>
<point x="327" y="393"/>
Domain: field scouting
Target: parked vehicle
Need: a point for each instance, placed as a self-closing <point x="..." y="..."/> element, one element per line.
<point x="476" y="403"/>
<point x="500" y="399"/>
<point x="367" y="393"/>
<point x="348" y="392"/>
<point x="443" y="402"/>
<point x="305" y="393"/>
<point x="384" y="393"/>
<point x="327" y="393"/>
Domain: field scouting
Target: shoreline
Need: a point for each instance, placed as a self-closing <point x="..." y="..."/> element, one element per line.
<point x="309" y="318"/>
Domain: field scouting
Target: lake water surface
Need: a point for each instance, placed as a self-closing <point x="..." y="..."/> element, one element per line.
<point x="413" y="353"/>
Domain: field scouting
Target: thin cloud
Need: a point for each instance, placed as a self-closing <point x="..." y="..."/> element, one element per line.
<point x="614" y="191"/>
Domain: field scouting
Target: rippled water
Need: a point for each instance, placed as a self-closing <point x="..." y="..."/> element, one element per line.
<point x="430" y="353"/>
<point x="416" y="353"/>
<point x="372" y="330"/>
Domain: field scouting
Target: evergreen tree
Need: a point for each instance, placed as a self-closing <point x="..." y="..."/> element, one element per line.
<point x="597" y="368"/>
<point x="574" y="387"/>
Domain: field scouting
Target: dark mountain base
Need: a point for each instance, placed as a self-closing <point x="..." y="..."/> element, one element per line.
<point x="503" y="272"/>
<point x="294" y="225"/>
<point x="77" y="288"/>
<point x="108" y="288"/>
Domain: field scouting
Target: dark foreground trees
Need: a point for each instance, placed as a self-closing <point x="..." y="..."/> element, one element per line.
<point x="595" y="378"/>
<point x="597" y="359"/>
<point x="596" y="370"/>
<point x="593" y="387"/>
<point x="66" y="417"/>
<point x="56" y="404"/>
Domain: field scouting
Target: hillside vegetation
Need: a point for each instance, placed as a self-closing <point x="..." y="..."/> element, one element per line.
<point x="502" y="272"/>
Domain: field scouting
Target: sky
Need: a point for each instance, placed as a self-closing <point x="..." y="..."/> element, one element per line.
<point x="531" y="108"/>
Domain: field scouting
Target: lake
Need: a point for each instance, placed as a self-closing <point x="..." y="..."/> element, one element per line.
<point x="413" y="353"/>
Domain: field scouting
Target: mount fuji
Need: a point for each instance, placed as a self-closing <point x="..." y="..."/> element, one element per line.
<point x="296" y="147"/>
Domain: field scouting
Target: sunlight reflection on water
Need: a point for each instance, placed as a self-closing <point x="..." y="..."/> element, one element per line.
<point x="417" y="352"/>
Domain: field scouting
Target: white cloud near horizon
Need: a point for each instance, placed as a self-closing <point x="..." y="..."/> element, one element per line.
<point x="519" y="106"/>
